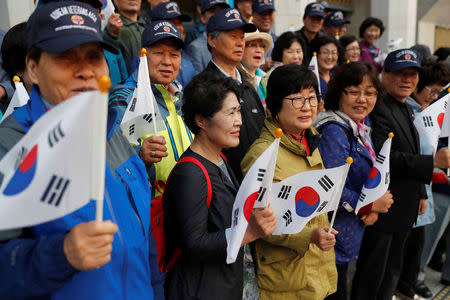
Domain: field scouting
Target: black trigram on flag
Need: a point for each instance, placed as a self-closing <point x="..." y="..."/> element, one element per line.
<point x="55" y="190"/>
<point x="284" y="192"/>
<point x="261" y="192"/>
<point x="23" y="151"/>
<point x="235" y="216"/>
<point x="261" y="173"/>
<point x="386" y="179"/>
<point x="131" y="129"/>
<point x="133" y="104"/>
<point x="148" y="118"/>
<point x="288" y="217"/>
<point x="445" y="105"/>
<point x="362" y="197"/>
<point x="380" y="158"/>
<point x="324" y="203"/>
<point x="326" y="183"/>
<point x="427" y="121"/>
<point x="55" y="135"/>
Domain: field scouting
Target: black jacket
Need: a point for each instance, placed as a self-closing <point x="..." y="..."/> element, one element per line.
<point x="409" y="169"/>
<point x="201" y="271"/>
<point x="253" y="115"/>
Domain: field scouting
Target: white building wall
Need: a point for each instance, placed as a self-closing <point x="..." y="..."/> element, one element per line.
<point x="425" y="34"/>
<point x="289" y="12"/>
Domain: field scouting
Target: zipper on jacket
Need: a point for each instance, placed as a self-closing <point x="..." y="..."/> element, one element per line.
<point x="131" y="200"/>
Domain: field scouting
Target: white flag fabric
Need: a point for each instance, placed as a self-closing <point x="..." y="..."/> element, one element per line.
<point x="20" y="98"/>
<point x="445" y="121"/>
<point x="314" y="66"/>
<point x="301" y="197"/>
<point x="377" y="183"/>
<point x="142" y="116"/>
<point x="430" y="121"/>
<point x="47" y="174"/>
<point x="254" y="190"/>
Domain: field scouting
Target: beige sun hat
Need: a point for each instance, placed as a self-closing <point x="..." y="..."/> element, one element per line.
<point x="257" y="35"/>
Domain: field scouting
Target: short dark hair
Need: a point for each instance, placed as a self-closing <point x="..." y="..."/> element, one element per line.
<point x="433" y="73"/>
<point x="204" y="96"/>
<point x="351" y="74"/>
<point x="344" y="41"/>
<point x="35" y="54"/>
<point x="286" y="80"/>
<point x="442" y="53"/>
<point x="285" y="41"/>
<point x="323" y="40"/>
<point x="14" y="50"/>
<point x="369" y="22"/>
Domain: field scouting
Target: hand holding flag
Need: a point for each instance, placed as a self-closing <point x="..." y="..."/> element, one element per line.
<point x="254" y="192"/>
<point x="377" y="182"/>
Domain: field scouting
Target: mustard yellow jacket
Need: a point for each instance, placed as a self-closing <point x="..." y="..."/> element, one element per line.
<point x="288" y="266"/>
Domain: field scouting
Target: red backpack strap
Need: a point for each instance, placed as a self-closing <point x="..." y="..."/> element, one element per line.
<point x="208" y="180"/>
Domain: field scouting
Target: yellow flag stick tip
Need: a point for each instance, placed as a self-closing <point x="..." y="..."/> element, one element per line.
<point x="278" y="132"/>
<point x="448" y="90"/>
<point x="104" y="83"/>
<point x="251" y="18"/>
<point x="314" y="53"/>
<point x="348" y="61"/>
<point x="16" y="78"/>
<point x="349" y="160"/>
<point x="143" y="52"/>
<point x="390" y="135"/>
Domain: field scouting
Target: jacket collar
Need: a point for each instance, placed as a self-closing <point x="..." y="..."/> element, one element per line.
<point x="35" y="109"/>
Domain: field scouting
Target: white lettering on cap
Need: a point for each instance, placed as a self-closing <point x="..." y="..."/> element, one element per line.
<point x="407" y="51"/>
<point x="159" y="25"/>
<point x="232" y="11"/>
<point x="73" y="9"/>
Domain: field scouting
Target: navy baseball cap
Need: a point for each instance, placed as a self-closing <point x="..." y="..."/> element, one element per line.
<point x="167" y="11"/>
<point x="208" y="4"/>
<point x="335" y="19"/>
<point x="59" y="26"/>
<point x="401" y="59"/>
<point x="100" y="4"/>
<point x="314" y="9"/>
<point x="228" y="19"/>
<point x="158" y="30"/>
<point x="259" y="6"/>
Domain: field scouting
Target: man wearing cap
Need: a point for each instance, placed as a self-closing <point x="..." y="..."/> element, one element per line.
<point x="245" y="9"/>
<point x="226" y="42"/>
<point x="76" y="257"/>
<point x="263" y="18"/>
<point x="153" y="3"/>
<point x="381" y="255"/>
<point x="171" y="12"/>
<point x="334" y="24"/>
<point x="128" y="39"/>
<point x="312" y="21"/>
<point x="198" y="49"/>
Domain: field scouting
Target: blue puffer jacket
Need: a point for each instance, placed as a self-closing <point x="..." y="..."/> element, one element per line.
<point x="34" y="263"/>
<point x="339" y="141"/>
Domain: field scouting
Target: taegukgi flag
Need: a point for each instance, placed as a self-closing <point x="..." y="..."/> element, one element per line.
<point x="142" y="116"/>
<point x="377" y="182"/>
<point x="20" y="98"/>
<point x="48" y="173"/>
<point x="254" y="192"/>
<point x="445" y="120"/>
<point x="430" y="121"/>
<point x="301" y="197"/>
<point x="314" y="66"/>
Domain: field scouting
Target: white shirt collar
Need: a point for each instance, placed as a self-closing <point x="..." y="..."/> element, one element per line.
<point x="238" y="75"/>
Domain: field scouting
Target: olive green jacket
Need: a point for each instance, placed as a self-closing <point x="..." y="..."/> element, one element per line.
<point x="288" y="266"/>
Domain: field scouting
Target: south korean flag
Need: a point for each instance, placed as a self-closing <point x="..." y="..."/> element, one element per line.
<point x="20" y="98"/>
<point x="430" y="121"/>
<point x="301" y="197"/>
<point x="142" y="116"/>
<point x="254" y="192"/>
<point x="50" y="172"/>
<point x="377" y="182"/>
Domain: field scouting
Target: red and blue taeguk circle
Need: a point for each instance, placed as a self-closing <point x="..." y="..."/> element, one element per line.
<point x="306" y="201"/>
<point x="24" y="174"/>
<point x="373" y="179"/>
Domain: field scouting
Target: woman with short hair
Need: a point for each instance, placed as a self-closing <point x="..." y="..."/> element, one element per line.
<point x="345" y="127"/>
<point x="211" y="110"/>
<point x="351" y="51"/>
<point x="293" y="266"/>
<point x="370" y="31"/>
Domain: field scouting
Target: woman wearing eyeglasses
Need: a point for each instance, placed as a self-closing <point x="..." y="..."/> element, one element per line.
<point x="327" y="49"/>
<point x="351" y="50"/>
<point x="293" y="266"/>
<point x="345" y="127"/>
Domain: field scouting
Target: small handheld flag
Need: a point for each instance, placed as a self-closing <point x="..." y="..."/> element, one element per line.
<point x="301" y="197"/>
<point x="20" y="98"/>
<point x="314" y="66"/>
<point x="142" y="115"/>
<point x="377" y="182"/>
<point x="254" y="192"/>
<point x="291" y="27"/>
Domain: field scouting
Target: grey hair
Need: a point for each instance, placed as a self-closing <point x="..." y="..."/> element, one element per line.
<point x="214" y="34"/>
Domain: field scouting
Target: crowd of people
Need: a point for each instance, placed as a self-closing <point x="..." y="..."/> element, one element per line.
<point x="223" y="87"/>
